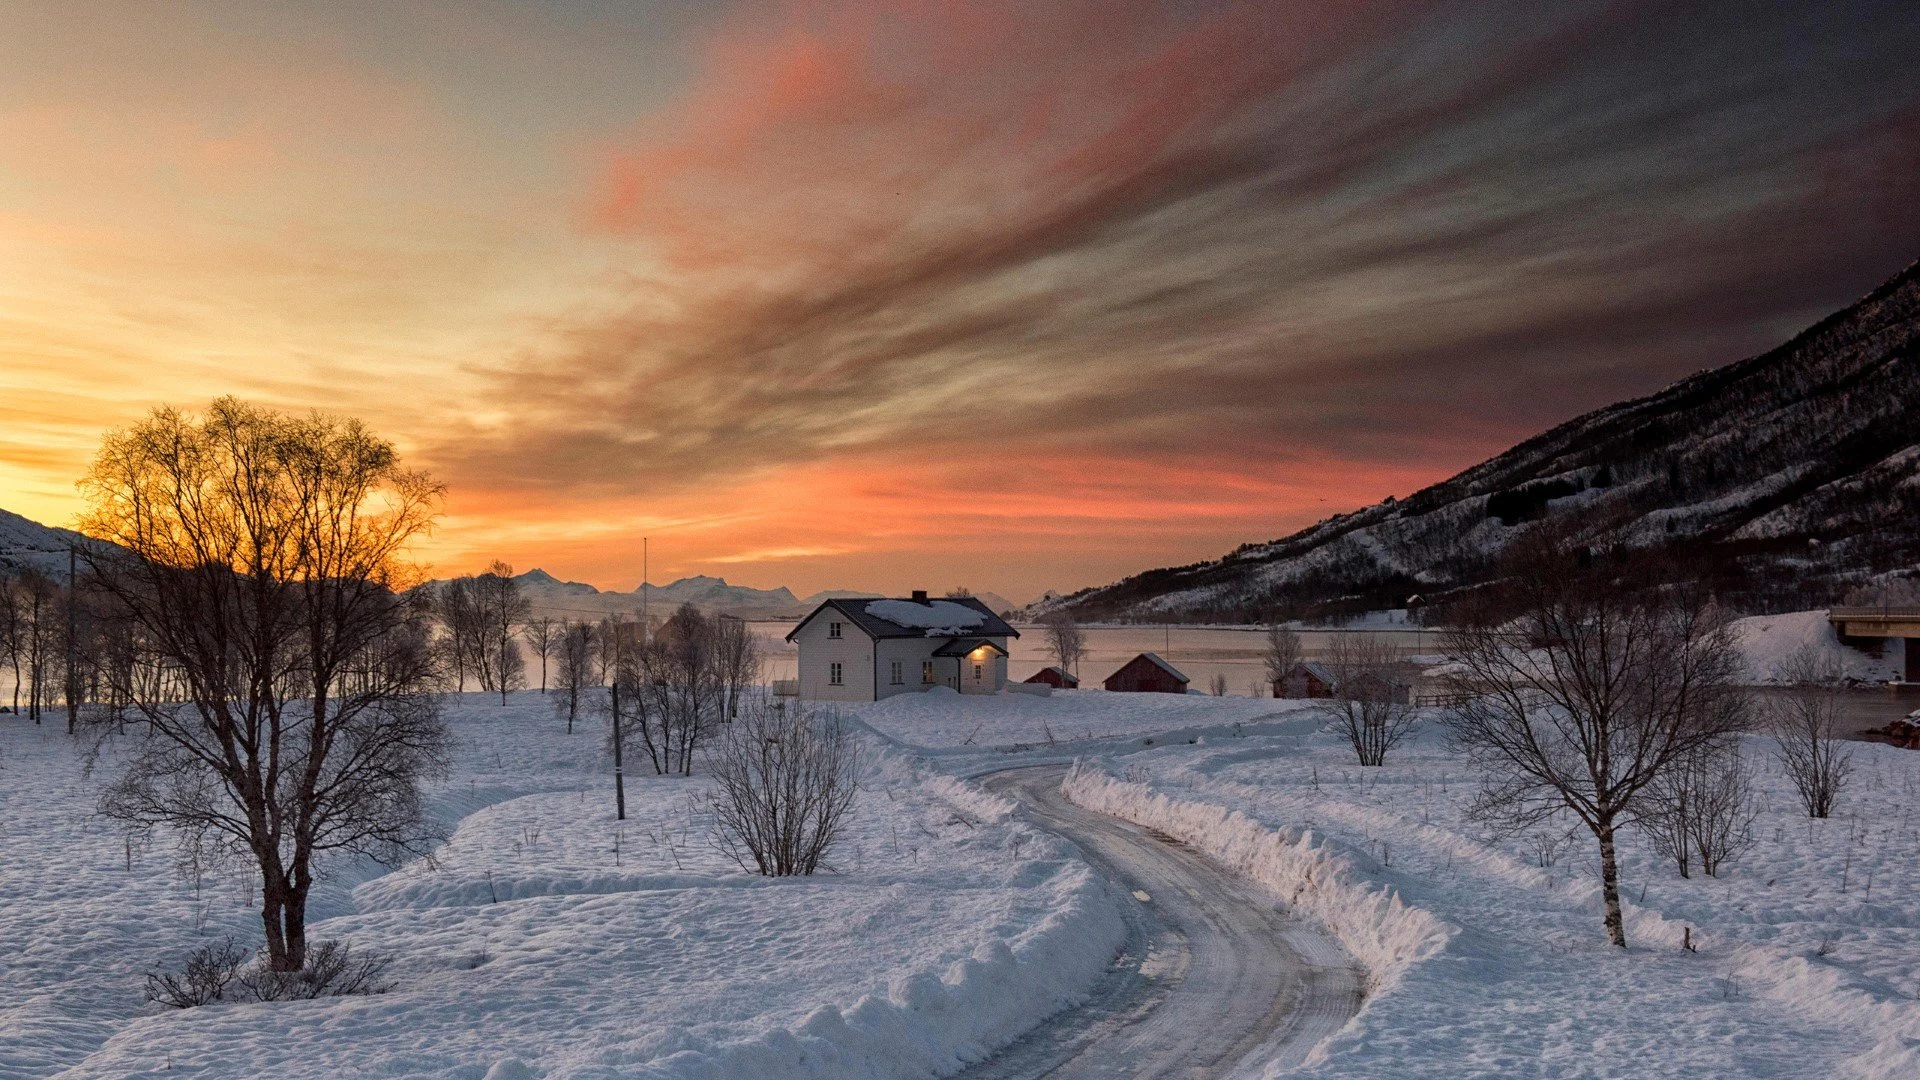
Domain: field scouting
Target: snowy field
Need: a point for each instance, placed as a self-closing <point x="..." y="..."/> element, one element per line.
<point x="530" y="948"/>
<point x="1488" y="963"/>
<point x="547" y="940"/>
<point x="945" y="720"/>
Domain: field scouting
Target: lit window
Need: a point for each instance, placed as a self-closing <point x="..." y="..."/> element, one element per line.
<point x="898" y="677"/>
<point x="833" y="675"/>
<point x="833" y="629"/>
<point x="926" y="672"/>
<point x="977" y="669"/>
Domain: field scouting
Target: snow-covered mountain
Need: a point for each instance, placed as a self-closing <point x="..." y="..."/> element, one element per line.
<point x="553" y="596"/>
<point x="27" y="544"/>
<point x="1783" y="477"/>
<point x="711" y="594"/>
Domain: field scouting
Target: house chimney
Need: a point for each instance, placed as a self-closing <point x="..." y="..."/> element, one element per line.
<point x="920" y="595"/>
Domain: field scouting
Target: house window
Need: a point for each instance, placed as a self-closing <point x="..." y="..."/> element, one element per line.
<point x="833" y="629"/>
<point x="834" y="675"/>
<point x="898" y="678"/>
<point x="926" y="672"/>
<point x="977" y="669"/>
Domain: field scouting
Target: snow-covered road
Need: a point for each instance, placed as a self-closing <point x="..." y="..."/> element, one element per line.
<point x="1214" y="981"/>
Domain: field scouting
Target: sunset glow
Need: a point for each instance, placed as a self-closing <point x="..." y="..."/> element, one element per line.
<point x="891" y="295"/>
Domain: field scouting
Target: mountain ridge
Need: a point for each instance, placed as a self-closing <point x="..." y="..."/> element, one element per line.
<point x="1783" y="477"/>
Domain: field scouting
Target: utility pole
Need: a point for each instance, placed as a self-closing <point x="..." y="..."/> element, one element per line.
<point x="646" y="625"/>
<point x="73" y="658"/>
<point x="619" y="779"/>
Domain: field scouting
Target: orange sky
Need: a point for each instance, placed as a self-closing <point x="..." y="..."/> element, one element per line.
<point x="893" y="295"/>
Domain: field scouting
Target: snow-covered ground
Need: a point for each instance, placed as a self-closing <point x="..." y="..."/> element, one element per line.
<point x="1488" y="963"/>
<point x="944" y="719"/>
<point x="528" y="947"/>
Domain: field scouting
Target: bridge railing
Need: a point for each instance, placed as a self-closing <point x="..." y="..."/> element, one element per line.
<point x="1863" y="613"/>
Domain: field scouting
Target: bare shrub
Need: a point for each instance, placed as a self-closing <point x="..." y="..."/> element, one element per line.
<point x="1701" y="808"/>
<point x="1593" y="693"/>
<point x="786" y="782"/>
<point x="1805" y="725"/>
<point x="202" y="980"/>
<point x="333" y="969"/>
<point x="1372" y="703"/>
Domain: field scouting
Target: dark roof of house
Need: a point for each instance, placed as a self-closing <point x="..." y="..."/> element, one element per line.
<point x="1153" y="658"/>
<point x="1057" y="670"/>
<point x="961" y="646"/>
<point x="875" y="627"/>
<point x="1314" y="668"/>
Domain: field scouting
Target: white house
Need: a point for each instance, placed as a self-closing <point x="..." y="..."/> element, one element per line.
<point x="865" y="650"/>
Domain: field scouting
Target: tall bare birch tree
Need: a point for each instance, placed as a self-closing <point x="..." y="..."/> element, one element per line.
<point x="293" y="714"/>
<point x="1593" y="693"/>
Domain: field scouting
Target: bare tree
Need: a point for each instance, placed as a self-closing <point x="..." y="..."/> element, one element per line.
<point x="677" y="692"/>
<point x="543" y="633"/>
<point x="42" y="626"/>
<point x="1593" y="693"/>
<point x="1371" y="704"/>
<point x="1807" y="735"/>
<point x="286" y="677"/>
<point x="736" y="658"/>
<point x="463" y="628"/>
<point x="1283" y="652"/>
<point x="1066" y="642"/>
<point x="1218" y="686"/>
<point x="786" y="781"/>
<point x="503" y="607"/>
<point x="1700" y="808"/>
<point x="579" y="645"/>
<point x="13" y="630"/>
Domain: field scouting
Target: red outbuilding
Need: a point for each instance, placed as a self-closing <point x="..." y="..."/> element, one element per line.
<point x="1147" y="674"/>
<point x="1056" y="677"/>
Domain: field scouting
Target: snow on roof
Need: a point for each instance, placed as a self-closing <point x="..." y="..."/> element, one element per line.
<point x="939" y="618"/>
<point x="1164" y="666"/>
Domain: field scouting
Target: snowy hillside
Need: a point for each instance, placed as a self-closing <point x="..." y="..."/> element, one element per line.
<point x="1785" y="476"/>
<point x="26" y="544"/>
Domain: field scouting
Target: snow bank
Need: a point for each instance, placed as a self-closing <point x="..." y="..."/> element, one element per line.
<point x="1384" y="933"/>
<point x="1771" y="643"/>
<point x="929" y="1024"/>
<point x="939" y="618"/>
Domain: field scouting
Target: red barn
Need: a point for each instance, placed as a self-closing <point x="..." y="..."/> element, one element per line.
<point x="1305" y="680"/>
<point x="1147" y="674"/>
<point x="1056" y="677"/>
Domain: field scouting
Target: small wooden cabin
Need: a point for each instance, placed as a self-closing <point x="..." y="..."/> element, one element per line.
<point x="1307" y="679"/>
<point x="1147" y="674"/>
<point x="1057" y="677"/>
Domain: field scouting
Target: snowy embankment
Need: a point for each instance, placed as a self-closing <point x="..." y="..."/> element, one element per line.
<point x="1771" y="645"/>
<point x="1489" y="955"/>
<point x="1313" y="879"/>
<point x="546" y="939"/>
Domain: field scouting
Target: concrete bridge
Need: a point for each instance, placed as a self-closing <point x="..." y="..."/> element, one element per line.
<point x="1881" y="627"/>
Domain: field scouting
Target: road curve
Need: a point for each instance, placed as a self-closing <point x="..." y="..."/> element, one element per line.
<point x="1214" y="979"/>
